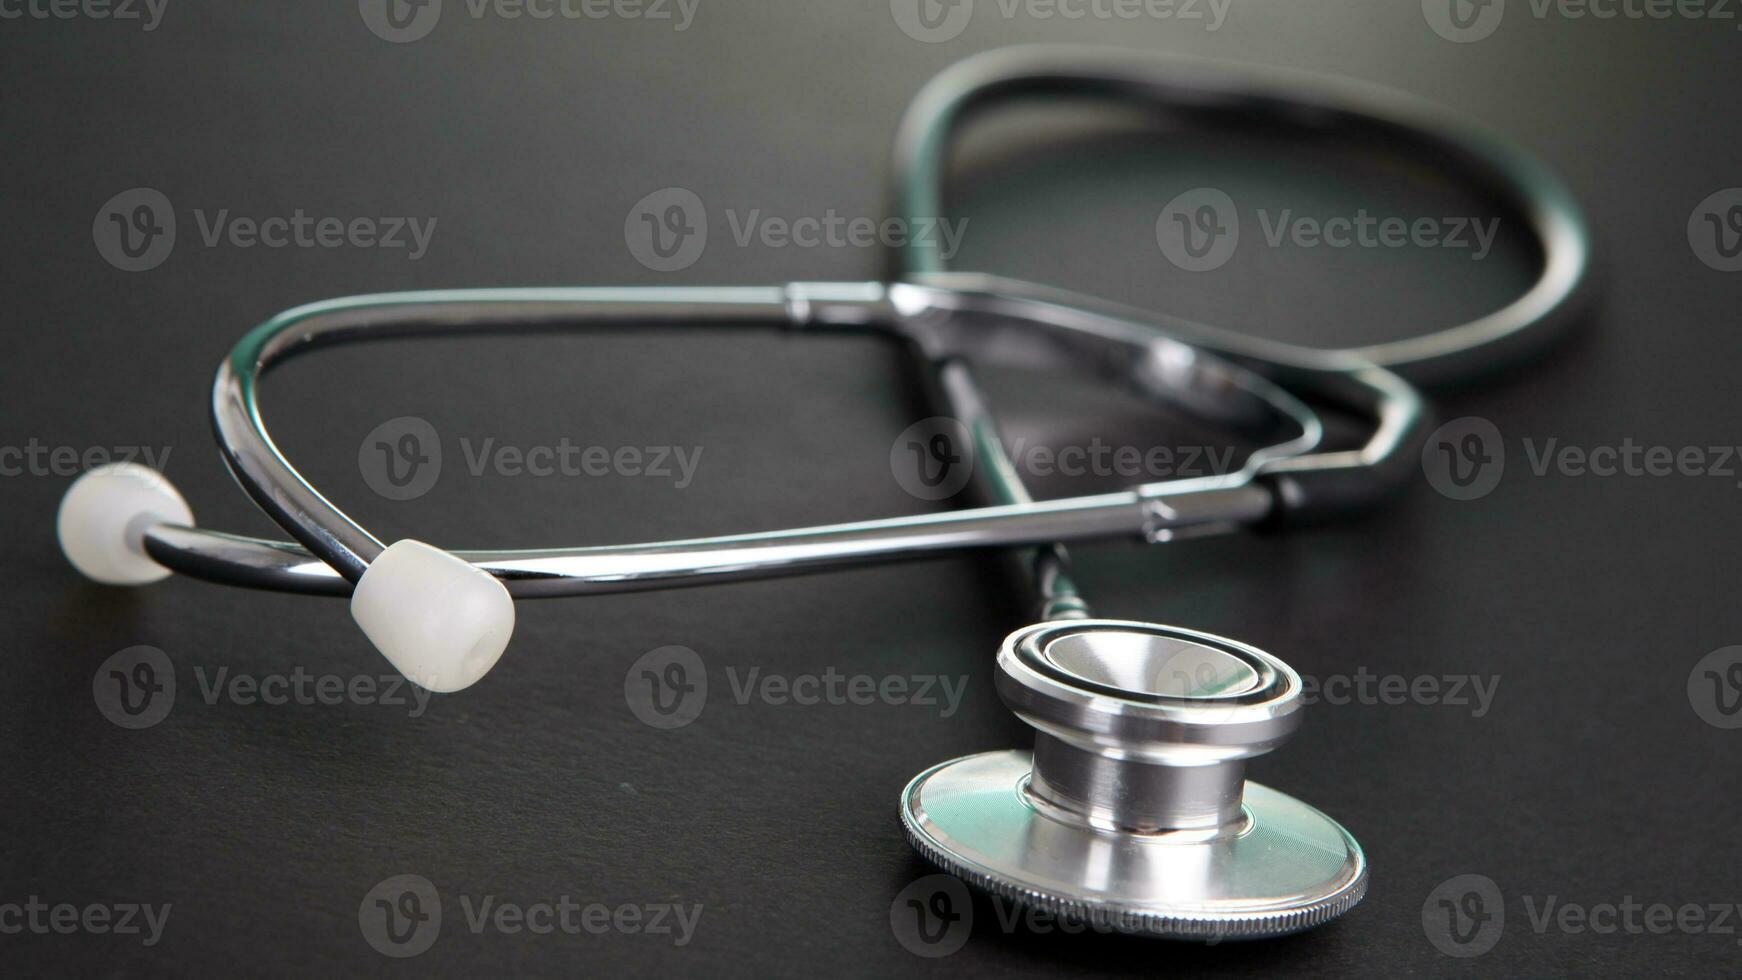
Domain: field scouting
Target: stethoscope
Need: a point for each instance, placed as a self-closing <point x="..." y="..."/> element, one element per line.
<point x="1132" y="812"/>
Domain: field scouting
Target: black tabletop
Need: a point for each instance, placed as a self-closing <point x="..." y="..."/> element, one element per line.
<point x="1525" y="705"/>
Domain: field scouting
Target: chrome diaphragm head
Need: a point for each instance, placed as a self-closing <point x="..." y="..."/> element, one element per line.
<point x="1133" y="813"/>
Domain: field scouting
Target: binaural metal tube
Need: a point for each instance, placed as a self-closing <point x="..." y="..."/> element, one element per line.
<point x="943" y="321"/>
<point x="976" y="317"/>
<point x="539" y="573"/>
<point x="321" y="527"/>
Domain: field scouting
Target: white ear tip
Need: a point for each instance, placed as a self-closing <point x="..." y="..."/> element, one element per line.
<point x="103" y="517"/>
<point x="441" y="621"/>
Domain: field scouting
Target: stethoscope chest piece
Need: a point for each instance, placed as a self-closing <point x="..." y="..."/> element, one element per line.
<point x="1133" y="814"/>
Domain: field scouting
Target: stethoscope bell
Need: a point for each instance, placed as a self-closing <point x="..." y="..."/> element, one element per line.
<point x="1133" y="813"/>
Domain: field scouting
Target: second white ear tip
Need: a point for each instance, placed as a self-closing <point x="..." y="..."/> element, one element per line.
<point x="440" y="621"/>
<point x="98" y="518"/>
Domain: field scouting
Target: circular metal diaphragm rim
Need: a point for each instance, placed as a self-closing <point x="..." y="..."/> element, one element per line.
<point x="1029" y="654"/>
<point x="1285" y="839"/>
<point x="1074" y="708"/>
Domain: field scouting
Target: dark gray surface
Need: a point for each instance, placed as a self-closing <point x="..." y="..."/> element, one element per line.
<point x="1591" y="779"/>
